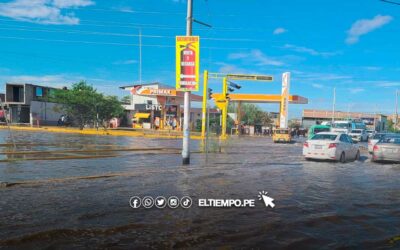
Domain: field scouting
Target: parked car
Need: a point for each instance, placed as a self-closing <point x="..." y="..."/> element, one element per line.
<point x="387" y="149"/>
<point x="370" y="133"/>
<point x="358" y="135"/>
<point x="315" y="129"/>
<point x="331" y="146"/>
<point x="281" y="135"/>
<point x="374" y="140"/>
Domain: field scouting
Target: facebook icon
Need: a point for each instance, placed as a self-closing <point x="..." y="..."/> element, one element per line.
<point x="135" y="202"/>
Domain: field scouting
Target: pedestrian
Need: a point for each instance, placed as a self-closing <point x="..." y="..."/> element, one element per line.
<point x="174" y="123"/>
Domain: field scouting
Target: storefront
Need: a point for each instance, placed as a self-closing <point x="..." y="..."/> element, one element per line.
<point x="156" y="106"/>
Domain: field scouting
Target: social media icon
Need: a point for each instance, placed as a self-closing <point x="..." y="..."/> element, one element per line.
<point x="186" y="202"/>
<point x="135" y="202"/>
<point x="160" y="202"/>
<point x="148" y="202"/>
<point x="173" y="202"/>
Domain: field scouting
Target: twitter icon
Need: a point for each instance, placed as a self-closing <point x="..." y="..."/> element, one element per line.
<point x="160" y="202"/>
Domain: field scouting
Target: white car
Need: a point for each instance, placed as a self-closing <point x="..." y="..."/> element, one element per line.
<point x="331" y="146"/>
<point x="375" y="139"/>
<point x="358" y="135"/>
<point x="370" y="133"/>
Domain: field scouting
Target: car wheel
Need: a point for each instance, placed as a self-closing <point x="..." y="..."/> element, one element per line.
<point x="357" y="156"/>
<point x="343" y="158"/>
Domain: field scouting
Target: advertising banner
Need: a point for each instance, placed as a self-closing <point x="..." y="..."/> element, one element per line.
<point x="187" y="63"/>
<point x="285" y="100"/>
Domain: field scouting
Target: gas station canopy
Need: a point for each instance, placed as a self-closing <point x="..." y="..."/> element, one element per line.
<point x="260" y="98"/>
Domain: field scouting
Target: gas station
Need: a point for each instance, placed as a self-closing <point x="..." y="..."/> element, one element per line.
<point x="223" y="99"/>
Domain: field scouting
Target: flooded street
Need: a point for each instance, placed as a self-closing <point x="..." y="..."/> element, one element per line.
<point x="84" y="203"/>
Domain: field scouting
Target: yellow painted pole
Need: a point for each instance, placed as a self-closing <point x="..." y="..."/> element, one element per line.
<point x="204" y="110"/>
<point x="225" y="109"/>
<point x="239" y="116"/>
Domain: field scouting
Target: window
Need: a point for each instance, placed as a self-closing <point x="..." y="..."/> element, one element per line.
<point x="149" y="102"/>
<point x="343" y="138"/>
<point x="38" y="92"/>
<point x="327" y="137"/>
<point x="318" y="130"/>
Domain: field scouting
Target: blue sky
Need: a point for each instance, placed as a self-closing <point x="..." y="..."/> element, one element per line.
<point x="350" y="45"/>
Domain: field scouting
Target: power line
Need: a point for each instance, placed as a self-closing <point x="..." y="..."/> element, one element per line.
<point x="391" y="2"/>
<point x="26" y="28"/>
<point x="96" y="23"/>
<point x="112" y="43"/>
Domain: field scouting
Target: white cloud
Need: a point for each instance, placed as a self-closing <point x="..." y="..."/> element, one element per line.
<point x="321" y="77"/>
<point x="50" y="80"/>
<point x="364" y="26"/>
<point x="318" y="86"/>
<point x="72" y="3"/>
<point x="372" y="68"/>
<point x="279" y="31"/>
<point x="388" y="84"/>
<point x="126" y="62"/>
<point x="310" y="51"/>
<point x="43" y="11"/>
<point x="356" y="90"/>
<point x="257" y="57"/>
<point x="230" y="68"/>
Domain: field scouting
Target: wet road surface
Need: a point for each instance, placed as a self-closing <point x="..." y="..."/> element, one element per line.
<point x="319" y="205"/>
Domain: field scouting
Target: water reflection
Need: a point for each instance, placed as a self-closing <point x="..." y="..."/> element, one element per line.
<point x="319" y="205"/>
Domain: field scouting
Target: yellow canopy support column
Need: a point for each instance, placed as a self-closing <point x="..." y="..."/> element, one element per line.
<point x="204" y="110"/>
<point x="225" y="108"/>
<point x="239" y="117"/>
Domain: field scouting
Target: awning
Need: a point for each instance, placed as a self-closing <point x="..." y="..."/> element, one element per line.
<point x="141" y="115"/>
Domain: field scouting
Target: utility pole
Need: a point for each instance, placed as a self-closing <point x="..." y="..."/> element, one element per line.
<point x="186" y="107"/>
<point x="397" y="114"/>
<point x="333" y="107"/>
<point x="140" y="56"/>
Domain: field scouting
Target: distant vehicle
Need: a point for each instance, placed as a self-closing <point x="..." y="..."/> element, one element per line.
<point x="341" y="127"/>
<point x="370" y="133"/>
<point x="315" y="129"/>
<point x="358" y="135"/>
<point x="281" y="135"/>
<point x="374" y="140"/>
<point x="331" y="146"/>
<point x="326" y="123"/>
<point x="387" y="149"/>
<point x="347" y="126"/>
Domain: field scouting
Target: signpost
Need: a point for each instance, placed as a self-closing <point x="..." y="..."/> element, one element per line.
<point x="187" y="63"/>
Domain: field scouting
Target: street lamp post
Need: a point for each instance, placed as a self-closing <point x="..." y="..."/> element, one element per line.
<point x="186" y="107"/>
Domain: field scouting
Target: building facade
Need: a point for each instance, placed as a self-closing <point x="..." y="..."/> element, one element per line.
<point x="372" y="121"/>
<point x="27" y="104"/>
<point x="159" y="106"/>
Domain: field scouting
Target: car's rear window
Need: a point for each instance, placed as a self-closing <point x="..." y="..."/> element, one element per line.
<point x="319" y="130"/>
<point x="356" y="131"/>
<point x="326" y="137"/>
<point x="282" y="132"/>
<point x="391" y="139"/>
<point x="378" y="136"/>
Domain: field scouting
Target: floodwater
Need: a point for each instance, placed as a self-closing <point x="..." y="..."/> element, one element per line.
<point x="319" y="205"/>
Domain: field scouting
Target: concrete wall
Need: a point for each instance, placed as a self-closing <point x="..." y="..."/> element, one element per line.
<point x="45" y="112"/>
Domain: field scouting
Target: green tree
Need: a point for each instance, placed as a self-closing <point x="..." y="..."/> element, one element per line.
<point x="126" y="99"/>
<point x="252" y="114"/>
<point x="107" y="108"/>
<point x="82" y="103"/>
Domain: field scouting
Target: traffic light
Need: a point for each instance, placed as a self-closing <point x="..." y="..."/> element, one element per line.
<point x="209" y="93"/>
<point x="234" y="85"/>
